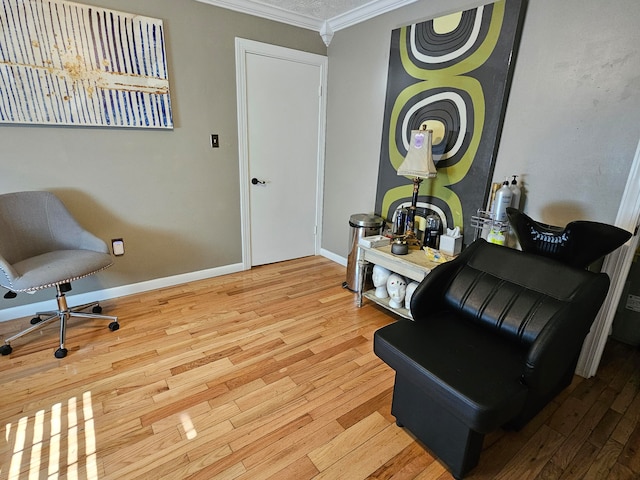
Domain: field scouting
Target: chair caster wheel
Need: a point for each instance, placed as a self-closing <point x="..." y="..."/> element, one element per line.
<point x="113" y="326"/>
<point x="61" y="353"/>
<point x="5" y="349"/>
<point x="97" y="309"/>
<point x="35" y="320"/>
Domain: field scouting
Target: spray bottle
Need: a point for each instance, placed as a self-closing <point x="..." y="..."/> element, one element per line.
<point x="516" y="193"/>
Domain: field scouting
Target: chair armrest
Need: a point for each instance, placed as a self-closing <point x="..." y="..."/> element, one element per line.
<point x="7" y="273"/>
<point x="88" y="241"/>
<point x="560" y="341"/>
<point x="67" y="233"/>
<point x="426" y="298"/>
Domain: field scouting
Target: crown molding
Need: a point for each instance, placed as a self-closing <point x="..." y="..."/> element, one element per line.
<point x="326" y="32"/>
<point x="366" y="12"/>
<point x="326" y="27"/>
<point x="269" y="12"/>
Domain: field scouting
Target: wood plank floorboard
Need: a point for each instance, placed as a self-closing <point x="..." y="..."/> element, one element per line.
<point x="269" y="374"/>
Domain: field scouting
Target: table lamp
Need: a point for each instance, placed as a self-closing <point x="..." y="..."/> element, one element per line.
<point x="417" y="164"/>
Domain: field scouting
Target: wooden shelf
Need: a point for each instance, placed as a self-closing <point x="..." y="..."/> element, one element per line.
<point x="384" y="302"/>
<point x="414" y="266"/>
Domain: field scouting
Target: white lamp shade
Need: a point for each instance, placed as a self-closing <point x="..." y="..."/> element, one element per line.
<point x="419" y="159"/>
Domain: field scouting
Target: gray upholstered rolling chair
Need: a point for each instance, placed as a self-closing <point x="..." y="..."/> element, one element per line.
<point x="43" y="246"/>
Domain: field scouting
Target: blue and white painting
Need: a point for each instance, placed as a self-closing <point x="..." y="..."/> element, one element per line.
<point x="63" y="63"/>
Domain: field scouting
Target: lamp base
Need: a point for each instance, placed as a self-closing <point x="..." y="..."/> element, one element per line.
<point x="412" y="240"/>
<point x="409" y="238"/>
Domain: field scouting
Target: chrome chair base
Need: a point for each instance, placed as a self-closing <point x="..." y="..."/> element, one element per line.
<point x="64" y="313"/>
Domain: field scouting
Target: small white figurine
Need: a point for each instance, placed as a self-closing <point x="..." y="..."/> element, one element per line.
<point x="380" y="276"/>
<point x="408" y="294"/>
<point x="397" y="287"/>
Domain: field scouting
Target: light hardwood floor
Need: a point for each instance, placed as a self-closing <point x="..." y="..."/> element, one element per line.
<point x="265" y="374"/>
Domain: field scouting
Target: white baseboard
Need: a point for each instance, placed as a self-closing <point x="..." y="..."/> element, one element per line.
<point x="122" y="291"/>
<point x="332" y="256"/>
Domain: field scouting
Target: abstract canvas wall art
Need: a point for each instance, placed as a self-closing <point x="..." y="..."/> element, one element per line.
<point x="63" y="63"/>
<point x="450" y="74"/>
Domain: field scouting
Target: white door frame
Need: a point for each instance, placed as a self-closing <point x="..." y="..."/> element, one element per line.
<point x="617" y="266"/>
<point x="244" y="47"/>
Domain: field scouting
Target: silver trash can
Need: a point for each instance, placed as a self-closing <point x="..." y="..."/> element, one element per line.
<point x="362" y="225"/>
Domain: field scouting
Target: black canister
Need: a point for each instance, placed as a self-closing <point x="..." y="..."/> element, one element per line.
<point x="432" y="231"/>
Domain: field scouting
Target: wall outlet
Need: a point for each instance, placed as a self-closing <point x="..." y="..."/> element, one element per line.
<point x="117" y="245"/>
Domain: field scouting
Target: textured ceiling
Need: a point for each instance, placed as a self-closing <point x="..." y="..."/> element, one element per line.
<point x="319" y="9"/>
<point x="324" y="16"/>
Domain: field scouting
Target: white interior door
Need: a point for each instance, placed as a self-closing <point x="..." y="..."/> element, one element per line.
<point x="281" y="111"/>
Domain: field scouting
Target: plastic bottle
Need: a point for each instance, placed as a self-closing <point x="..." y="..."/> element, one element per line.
<point x="501" y="202"/>
<point x="516" y="193"/>
<point x="496" y="236"/>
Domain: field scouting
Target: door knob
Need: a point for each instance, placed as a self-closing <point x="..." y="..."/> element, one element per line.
<point x="255" y="181"/>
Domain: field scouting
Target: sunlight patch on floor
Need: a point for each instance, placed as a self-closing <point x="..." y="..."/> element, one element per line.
<point x="37" y="442"/>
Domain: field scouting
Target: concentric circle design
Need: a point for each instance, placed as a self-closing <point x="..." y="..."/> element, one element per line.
<point x="447" y="39"/>
<point x="447" y="114"/>
<point x="448" y="74"/>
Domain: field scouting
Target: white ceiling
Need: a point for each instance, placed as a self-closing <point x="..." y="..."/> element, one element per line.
<point x="323" y="16"/>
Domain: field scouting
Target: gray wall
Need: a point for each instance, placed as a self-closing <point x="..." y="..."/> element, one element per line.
<point x="571" y="129"/>
<point x="572" y="122"/>
<point x="173" y="199"/>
